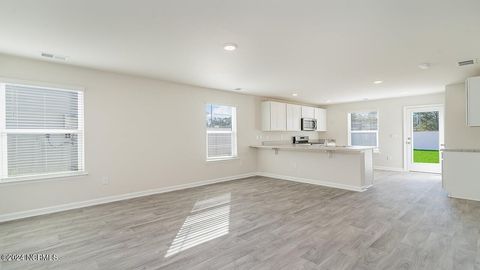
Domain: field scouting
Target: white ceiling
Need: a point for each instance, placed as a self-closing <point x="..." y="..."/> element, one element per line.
<point x="321" y="49"/>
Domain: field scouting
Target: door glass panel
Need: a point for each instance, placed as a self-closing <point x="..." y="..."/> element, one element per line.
<point x="426" y="137"/>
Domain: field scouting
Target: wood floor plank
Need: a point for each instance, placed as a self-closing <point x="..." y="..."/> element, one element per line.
<point x="405" y="221"/>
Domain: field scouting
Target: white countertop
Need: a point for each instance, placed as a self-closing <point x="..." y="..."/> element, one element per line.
<point x="315" y="147"/>
<point x="469" y="150"/>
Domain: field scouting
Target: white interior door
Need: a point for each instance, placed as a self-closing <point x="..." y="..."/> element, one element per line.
<point x="423" y="138"/>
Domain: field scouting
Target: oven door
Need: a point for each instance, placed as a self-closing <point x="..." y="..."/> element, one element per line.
<point x="309" y="124"/>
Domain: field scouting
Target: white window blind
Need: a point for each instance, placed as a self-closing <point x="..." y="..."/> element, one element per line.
<point x="221" y="132"/>
<point x="41" y="132"/>
<point x="363" y="128"/>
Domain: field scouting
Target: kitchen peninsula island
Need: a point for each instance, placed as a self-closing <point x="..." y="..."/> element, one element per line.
<point x="345" y="167"/>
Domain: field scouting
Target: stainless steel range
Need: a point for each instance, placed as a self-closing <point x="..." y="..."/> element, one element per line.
<point x="306" y="140"/>
<point x="300" y="139"/>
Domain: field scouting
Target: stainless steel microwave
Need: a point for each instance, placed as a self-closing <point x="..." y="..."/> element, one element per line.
<point x="309" y="124"/>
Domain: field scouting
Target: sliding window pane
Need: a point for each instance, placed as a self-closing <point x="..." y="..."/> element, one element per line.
<point x="219" y="117"/>
<point x="32" y="154"/>
<point x="219" y="144"/>
<point x="364" y="121"/>
<point x="40" y="108"/>
<point x="364" y="139"/>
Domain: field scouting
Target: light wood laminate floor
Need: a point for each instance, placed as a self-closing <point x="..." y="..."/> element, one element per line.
<point x="405" y="221"/>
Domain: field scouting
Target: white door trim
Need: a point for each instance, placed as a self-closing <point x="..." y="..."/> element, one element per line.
<point x="406" y="121"/>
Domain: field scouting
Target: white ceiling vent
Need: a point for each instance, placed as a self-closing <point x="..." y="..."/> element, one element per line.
<point x="53" y="56"/>
<point x="468" y="62"/>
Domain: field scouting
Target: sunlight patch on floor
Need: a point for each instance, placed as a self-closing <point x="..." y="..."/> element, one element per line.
<point x="209" y="219"/>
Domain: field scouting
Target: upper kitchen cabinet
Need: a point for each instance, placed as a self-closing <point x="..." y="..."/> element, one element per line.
<point x="294" y="117"/>
<point x="274" y="116"/>
<point x="321" y="116"/>
<point x="473" y="101"/>
<point x="278" y="116"/>
<point x="308" y="112"/>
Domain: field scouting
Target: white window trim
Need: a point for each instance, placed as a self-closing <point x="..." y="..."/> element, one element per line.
<point x="38" y="177"/>
<point x="3" y="134"/>
<point x="349" y="120"/>
<point x="233" y="133"/>
<point x="223" y="158"/>
<point x="37" y="84"/>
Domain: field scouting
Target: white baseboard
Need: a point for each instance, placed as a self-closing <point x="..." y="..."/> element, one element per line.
<point x="103" y="200"/>
<point x="462" y="197"/>
<point x="312" y="181"/>
<point x="385" y="168"/>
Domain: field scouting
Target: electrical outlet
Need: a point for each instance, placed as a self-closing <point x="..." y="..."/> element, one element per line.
<point x="389" y="157"/>
<point x="105" y="180"/>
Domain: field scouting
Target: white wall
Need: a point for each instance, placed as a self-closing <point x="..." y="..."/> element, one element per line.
<point x="141" y="133"/>
<point x="390" y="112"/>
<point x="457" y="133"/>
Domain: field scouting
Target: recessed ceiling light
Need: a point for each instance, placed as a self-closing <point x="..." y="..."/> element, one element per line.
<point x="238" y="89"/>
<point x="424" y="66"/>
<point x="230" y="47"/>
<point x="378" y="82"/>
<point x="294" y="94"/>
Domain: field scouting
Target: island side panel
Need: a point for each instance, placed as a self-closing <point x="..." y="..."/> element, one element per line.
<point x="368" y="168"/>
<point x="335" y="169"/>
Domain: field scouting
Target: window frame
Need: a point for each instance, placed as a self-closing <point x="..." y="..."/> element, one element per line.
<point x="4" y="178"/>
<point x="377" y="131"/>
<point x="233" y="133"/>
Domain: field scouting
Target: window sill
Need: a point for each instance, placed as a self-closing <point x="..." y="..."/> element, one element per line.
<point x="222" y="159"/>
<point x="376" y="150"/>
<point x="42" y="177"/>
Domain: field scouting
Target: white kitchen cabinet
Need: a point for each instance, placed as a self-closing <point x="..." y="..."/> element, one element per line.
<point x="473" y="101"/>
<point x="294" y="117"/>
<point x="274" y="116"/>
<point x="278" y="116"/>
<point x="308" y="112"/>
<point x="321" y="116"/>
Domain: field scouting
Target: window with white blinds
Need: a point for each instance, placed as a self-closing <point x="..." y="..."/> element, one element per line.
<point x="41" y="132"/>
<point x="221" y="132"/>
<point x="363" y="129"/>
